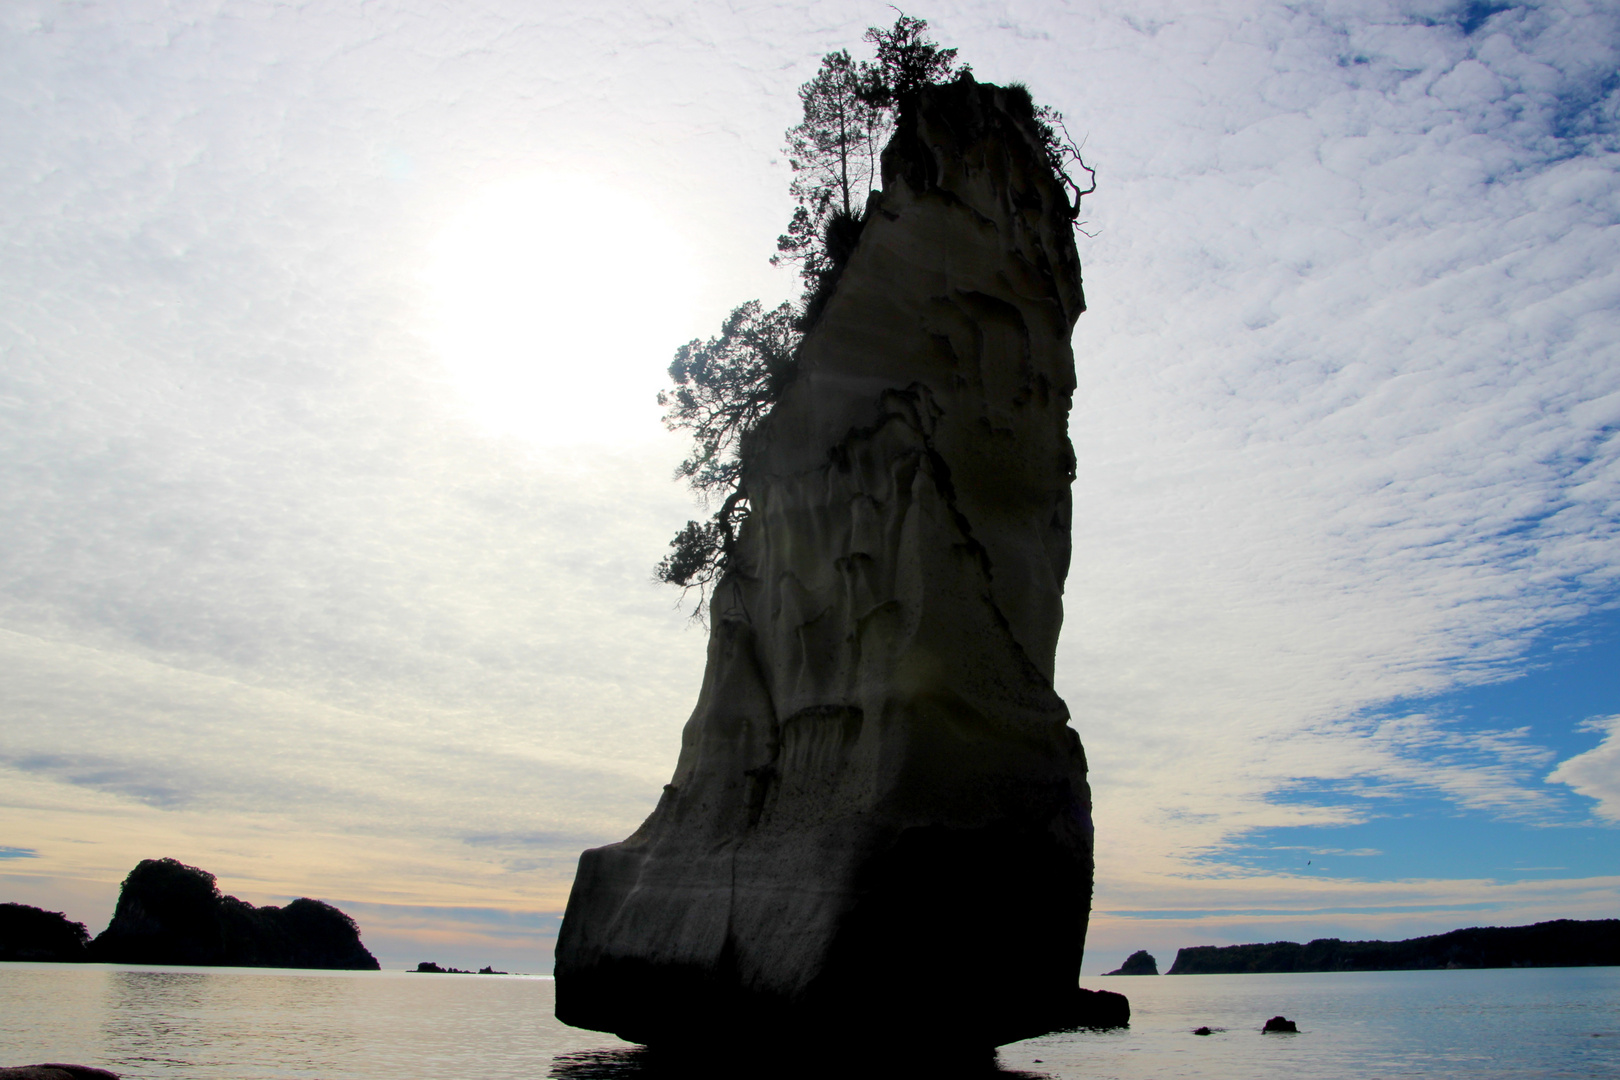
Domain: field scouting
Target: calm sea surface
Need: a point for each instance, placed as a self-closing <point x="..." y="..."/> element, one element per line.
<point x="246" y="1024"/>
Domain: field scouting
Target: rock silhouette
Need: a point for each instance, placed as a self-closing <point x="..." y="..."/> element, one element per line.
<point x="879" y="825"/>
<point x="31" y="933"/>
<point x="171" y="913"/>
<point x="1559" y="943"/>
<point x="1140" y="962"/>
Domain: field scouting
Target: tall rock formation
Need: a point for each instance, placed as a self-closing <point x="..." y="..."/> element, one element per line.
<point x="879" y="827"/>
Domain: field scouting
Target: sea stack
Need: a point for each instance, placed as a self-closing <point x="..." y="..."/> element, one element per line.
<point x="879" y="827"/>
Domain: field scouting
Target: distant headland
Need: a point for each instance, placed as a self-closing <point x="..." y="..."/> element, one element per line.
<point x="1559" y="943"/>
<point x="171" y="913"/>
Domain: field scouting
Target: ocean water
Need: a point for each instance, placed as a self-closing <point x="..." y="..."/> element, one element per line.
<point x="248" y="1024"/>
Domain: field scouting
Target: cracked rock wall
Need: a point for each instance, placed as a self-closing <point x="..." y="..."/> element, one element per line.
<point x="879" y="824"/>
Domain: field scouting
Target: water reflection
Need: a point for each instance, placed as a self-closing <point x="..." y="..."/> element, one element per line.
<point x="642" y="1063"/>
<point x="207" y="1021"/>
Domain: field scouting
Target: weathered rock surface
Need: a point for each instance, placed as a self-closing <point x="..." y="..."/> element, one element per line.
<point x="879" y="825"/>
<point x="31" y="933"/>
<point x="1140" y="962"/>
<point x="171" y="913"/>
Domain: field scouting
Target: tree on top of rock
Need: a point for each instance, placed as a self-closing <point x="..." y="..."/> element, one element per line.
<point x="906" y="62"/>
<point x="725" y="387"/>
<point x="833" y="152"/>
<point x="848" y="114"/>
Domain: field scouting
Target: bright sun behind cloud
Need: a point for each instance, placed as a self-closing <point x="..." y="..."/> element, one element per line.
<point x="557" y="304"/>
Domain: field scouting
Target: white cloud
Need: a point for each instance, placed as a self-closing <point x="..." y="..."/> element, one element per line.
<point x="1345" y="424"/>
<point x="1596" y="773"/>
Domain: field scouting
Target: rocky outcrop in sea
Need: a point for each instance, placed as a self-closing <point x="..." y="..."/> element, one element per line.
<point x="171" y="913"/>
<point x="1140" y="962"/>
<point x="879" y="826"/>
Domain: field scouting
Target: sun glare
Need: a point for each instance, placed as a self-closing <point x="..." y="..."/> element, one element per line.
<point x="557" y="304"/>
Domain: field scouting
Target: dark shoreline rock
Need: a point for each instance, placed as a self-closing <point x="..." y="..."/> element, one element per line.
<point x="171" y="913"/>
<point x="879" y="826"/>
<point x="55" y="1071"/>
<point x="34" y="934"/>
<point x="1558" y="943"/>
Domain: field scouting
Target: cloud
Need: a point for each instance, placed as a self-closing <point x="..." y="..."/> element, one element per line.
<point x="1596" y="773"/>
<point x="1345" y="422"/>
<point x="272" y="602"/>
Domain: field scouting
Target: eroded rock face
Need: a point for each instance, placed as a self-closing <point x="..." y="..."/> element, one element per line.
<point x="879" y="826"/>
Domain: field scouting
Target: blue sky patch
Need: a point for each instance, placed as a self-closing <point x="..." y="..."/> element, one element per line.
<point x="1571" y="676"/>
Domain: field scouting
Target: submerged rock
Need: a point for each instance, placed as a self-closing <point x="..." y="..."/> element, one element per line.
<point x="1140" y="962"/>
<point x="31" y="933"/>
<point x="171" y="913"/>
<point x="879" y="826"/>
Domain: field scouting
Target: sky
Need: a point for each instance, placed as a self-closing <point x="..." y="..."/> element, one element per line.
<point x="331" y="476"/>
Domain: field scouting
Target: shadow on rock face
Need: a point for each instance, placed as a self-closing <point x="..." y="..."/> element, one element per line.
<point x="644" y="1063"/>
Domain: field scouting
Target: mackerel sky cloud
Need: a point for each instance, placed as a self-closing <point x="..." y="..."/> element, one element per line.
<point x="278" y="598"/>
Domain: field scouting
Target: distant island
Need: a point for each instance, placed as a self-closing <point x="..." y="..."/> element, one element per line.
<point x="428" y="967"/>
<point x="1559" y="943"/>
<point x="1140" y="962"/>
<point x="171" y="913"/>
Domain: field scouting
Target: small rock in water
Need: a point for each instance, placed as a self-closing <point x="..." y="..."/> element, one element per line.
<point x="56" y="1071"/>
<point x="1203" y="1031"/>
<point x="1280" y="1023"/>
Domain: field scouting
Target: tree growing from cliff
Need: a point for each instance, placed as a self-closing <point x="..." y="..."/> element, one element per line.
<point x="848" y="114"/>
<point x="724" y="388"/>
<point x="833" y="152"/>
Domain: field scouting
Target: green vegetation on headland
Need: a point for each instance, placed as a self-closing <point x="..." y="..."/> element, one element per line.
<point x="171" y="913"/>
<point x="1560" y="943"/>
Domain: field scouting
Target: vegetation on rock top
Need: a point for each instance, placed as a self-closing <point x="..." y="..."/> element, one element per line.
<point x="723" y="388"/>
